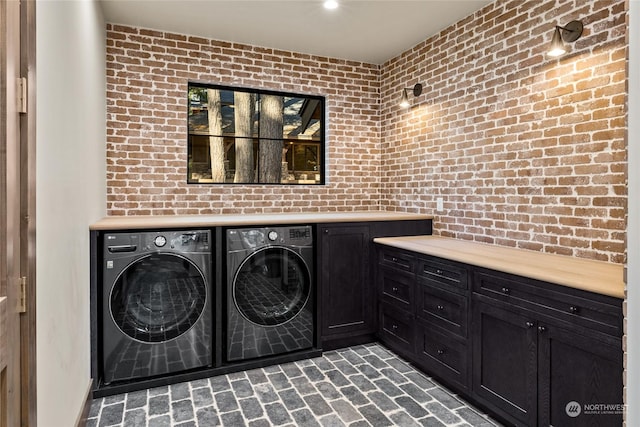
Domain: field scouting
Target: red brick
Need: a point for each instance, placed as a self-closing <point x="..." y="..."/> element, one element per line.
<point x="529" y="152"/>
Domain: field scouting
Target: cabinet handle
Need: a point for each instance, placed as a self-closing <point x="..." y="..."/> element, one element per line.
<point x="394" y="327"/>
<point x="573" y="309"/>
<point x="542" y="328"/>
<point x="440" y="352"/>
<point x="394" y="289"/>
<point x="394" y="259"/>
<point x="439" y="272"/>
<point x="506" y="291"/>
<point x="440" y="307"/>
<point x="326" y="231"/>
<point x="530" y="324"/>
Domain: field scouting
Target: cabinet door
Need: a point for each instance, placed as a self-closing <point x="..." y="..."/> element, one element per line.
<point x="442" y="354"/>
<point x="578" y="376"/>
<point x="504" y="361"/>
<point x="441" y="307"/>
<point x="396" y="287"/>
<point x="347" y="294"/>
<point x="396" y="329"/>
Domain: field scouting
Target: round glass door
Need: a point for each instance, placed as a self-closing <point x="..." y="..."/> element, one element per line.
<point x="272" y="286"/>
<point x="158" y="297"/>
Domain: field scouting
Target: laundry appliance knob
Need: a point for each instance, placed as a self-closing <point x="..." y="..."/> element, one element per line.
<point x="160" y="241"/>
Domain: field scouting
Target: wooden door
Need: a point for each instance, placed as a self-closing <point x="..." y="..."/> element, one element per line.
<point x="10" y="342"/>
<point x="505" y="361"/>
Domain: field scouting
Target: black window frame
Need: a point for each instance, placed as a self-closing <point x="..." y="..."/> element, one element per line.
<point x="321" y="143"/>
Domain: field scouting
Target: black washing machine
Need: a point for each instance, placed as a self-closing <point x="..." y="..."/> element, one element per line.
<point x="156" y="304"/>
<point x="270" y="288"/>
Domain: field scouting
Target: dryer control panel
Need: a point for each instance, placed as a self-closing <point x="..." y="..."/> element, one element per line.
<point x="253" y="238"/>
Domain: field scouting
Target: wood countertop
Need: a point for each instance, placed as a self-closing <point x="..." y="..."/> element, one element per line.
<point x="182" y="221"/>
<point x="589" y="275"/>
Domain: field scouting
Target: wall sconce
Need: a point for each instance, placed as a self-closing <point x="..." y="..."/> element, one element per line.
<point x="416" y="90"/>
<point x="570" y="33"/>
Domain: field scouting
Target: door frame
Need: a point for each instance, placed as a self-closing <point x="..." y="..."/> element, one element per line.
<point x="28" y="213"/>
<point x="17" y="227"/>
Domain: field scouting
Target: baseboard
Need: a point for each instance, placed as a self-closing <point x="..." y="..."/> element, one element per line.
<point x="81" y="421"/>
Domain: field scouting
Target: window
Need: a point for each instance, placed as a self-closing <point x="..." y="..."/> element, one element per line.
<point x="248" y="136"/>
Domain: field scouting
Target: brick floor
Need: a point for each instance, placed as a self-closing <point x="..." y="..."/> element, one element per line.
<point x="357" y="386"/>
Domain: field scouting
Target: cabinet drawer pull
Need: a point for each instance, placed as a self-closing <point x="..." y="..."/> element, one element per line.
<point x="506" y="291"/>
<point x="542" y="328"/>
<point x="394" y="327"/>
<point x="440" y="307"/>
<point x="439" y="272"/>
<point x="440" y="352"/>
<point x="394" y="289"/>
<point x="574" y="310"/>
<point x="530" y="324"/>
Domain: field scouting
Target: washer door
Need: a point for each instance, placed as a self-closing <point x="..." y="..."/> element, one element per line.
<point x="271" y="286"/>
<point x="158" y="297"/>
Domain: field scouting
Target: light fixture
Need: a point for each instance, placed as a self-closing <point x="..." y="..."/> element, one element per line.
<point x="569" y="33"/>
<point x="416" y="90"/>
<point x="330" y="4"/>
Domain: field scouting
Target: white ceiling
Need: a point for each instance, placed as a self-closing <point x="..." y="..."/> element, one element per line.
<point x="370" y="31"/>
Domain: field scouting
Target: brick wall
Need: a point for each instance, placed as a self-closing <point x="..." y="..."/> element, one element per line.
<point x="147" y="76"/>
<point x="525" y="150"/>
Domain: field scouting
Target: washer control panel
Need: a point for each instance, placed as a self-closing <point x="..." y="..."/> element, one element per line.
<point x="118" y="245"/>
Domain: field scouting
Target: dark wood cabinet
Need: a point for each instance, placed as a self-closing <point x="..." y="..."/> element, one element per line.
<point x="442" y="354"/>
<point x="423" y="312"/>
<point x="531" y="352"/>
<point x="581" y="367"/>
<point x="347" y="296"/>
<point x="346" y="278"/>
<point x="531" y="361"/>
<point x="396" y="329"/>
<point x="442" y="301"/>
<point x="504" y="361"/>
<point x="396" y="286"/>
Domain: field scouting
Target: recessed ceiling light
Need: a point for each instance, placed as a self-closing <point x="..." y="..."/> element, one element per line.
<point x="330" y="4"/>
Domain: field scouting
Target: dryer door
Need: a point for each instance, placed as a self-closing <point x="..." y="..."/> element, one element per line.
<point x="271" y="286"/>
<point x="158" y="297"/>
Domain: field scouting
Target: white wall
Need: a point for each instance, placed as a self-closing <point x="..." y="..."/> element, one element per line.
<point x="633" y="221"/>
<point x="70" y="194"/>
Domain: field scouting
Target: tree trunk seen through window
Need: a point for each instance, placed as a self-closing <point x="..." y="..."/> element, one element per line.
<point x="216" y="142"/>
<point x="271" y="125"/>
<point x="244" y="106"/>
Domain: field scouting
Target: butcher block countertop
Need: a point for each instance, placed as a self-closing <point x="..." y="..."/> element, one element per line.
<point x="594" y="276"/>
<point x="181" y="221"/>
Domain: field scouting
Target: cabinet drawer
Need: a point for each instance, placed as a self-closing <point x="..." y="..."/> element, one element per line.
<point x="443" y="308"/>
<point x="442" y="354"/>
<point x="396" y="327"/>
<point x="443" y="272"/>
<point x="590" y="311"/>
<point x="396" y="259"/>
<point x="396" y="288"/>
